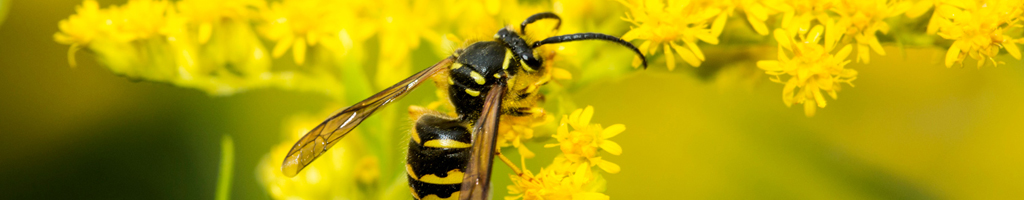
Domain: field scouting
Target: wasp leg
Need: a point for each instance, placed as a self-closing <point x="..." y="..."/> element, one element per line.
<point x="439" y="150"/>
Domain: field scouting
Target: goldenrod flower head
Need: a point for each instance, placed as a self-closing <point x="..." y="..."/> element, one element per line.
<point x="581" y="144"/>
<point x="810" y="66"/>
<point x="579" y="183"/>
<point x="140" y="19"/>
<point x="865" y="18"/>
<point x="978" y="28"/>
<point x="206" y="14"/>
<point x="87" y="23"/>
<point x="81" y="28"/>
<point x="663" y="24"/>
<point x="757" y="12"/>
<point x="296" y="24"/>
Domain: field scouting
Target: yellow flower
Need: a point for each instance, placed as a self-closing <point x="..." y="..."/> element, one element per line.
<point x="402" y="26"/>
<point x="81" y="28"/>
<point x="513" y="130"/>
<point x="664" y="24"/>
<point x="864" y="18"/>
<point x="581" y="144"/>
<point x="757" y="12"/>
<point x="139" y="19"/>
<point x="580" y="183"/>
<point x="978" y="28"/>
<point x="811" y="66"/>
<point x="208" y="14"/>
<point x="296" y="24"/>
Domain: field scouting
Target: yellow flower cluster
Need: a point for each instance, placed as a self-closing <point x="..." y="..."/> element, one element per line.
<point x="979" y="28"/>
<point x="570" y="175"/>
<point x="811" y="68"/>
<point x="664" y="25"/>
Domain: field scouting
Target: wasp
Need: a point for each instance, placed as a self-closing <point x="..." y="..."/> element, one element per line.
<point x="452" y="156"/>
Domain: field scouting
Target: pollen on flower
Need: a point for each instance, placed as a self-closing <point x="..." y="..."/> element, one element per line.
<point x="809" y="66"/>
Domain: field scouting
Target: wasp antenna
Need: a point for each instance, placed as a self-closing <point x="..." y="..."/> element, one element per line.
<point x="591" y="36"/>
<point x="540" y="16"/>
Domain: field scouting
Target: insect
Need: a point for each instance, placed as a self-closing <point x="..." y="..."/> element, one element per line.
<point x="452" y="156"/>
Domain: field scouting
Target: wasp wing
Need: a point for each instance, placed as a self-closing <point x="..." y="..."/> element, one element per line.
<point x="325" y="135"/>
<point x="477" y="180"/>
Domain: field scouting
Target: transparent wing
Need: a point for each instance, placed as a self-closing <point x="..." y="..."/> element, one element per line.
<point x="477" y="181"/>
<point x="325" y="135"/>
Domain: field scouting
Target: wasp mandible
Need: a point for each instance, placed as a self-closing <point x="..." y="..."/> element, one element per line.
<point x="452" y="156"/>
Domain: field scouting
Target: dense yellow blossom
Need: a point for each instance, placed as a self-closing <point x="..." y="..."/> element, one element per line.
<point x="979" y="29"/>
<point x="810" y="66"/>
<point x="581" y="144"/>
<point x="580" y="183"/>
<point x="864" y="19"/>
<point x="664" y="25"/>
<point x="297" y="24"/>
<point x="570" y="174"/>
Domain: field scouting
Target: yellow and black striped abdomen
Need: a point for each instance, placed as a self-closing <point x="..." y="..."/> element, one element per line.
<point x="439" y="150"/>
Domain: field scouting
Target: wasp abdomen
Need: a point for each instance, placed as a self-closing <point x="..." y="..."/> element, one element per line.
<point x="439" y="150"/>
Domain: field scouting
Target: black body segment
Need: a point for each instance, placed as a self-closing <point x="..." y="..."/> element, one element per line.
<point x="485" y="59"/>
<point x="437" y="171"/>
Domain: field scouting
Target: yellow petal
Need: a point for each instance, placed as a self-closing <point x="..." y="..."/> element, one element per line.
<point x="844" y="52"/>
<point x="687" y="55"/>
<point x="783" y="38"/>
<point x="919" y="9"/>
<point x="818" y="98"/>
<point x="612" y="131"/>
<point x="809" y="108"/>
<point x="758" y="25"/>
<point x="560" y="74"/>
<point x="670" y="58"/>
<point x="769" y="65"/>
<point x="718" y="26"/>
<point x="696" y="50"/>
<point x="609" y="167"/>
<point x="1012" y="49"/>
<point x="299" y="51"/>
<point x="815" y="35"/>
<point x="787" y="92"/>
<point x="585" y="117"/>
<point x="611" y="147"/>
<point x="205" y="30"/>
<point x="574" y="119"/>
<point x="282" y="46"/>
<point x="526" y="153"/>
<point x="873" y="41"/>
<point x="953" y="54"/>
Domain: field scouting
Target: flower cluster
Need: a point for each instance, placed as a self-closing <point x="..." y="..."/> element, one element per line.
<point x="979" y="29"/>
<point x="811" y="66"/>
<point x="669" y="25"/>
<point x="571" y="175"/>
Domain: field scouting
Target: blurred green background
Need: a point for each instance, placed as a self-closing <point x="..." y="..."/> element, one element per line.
<point x="909" y="130"/>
